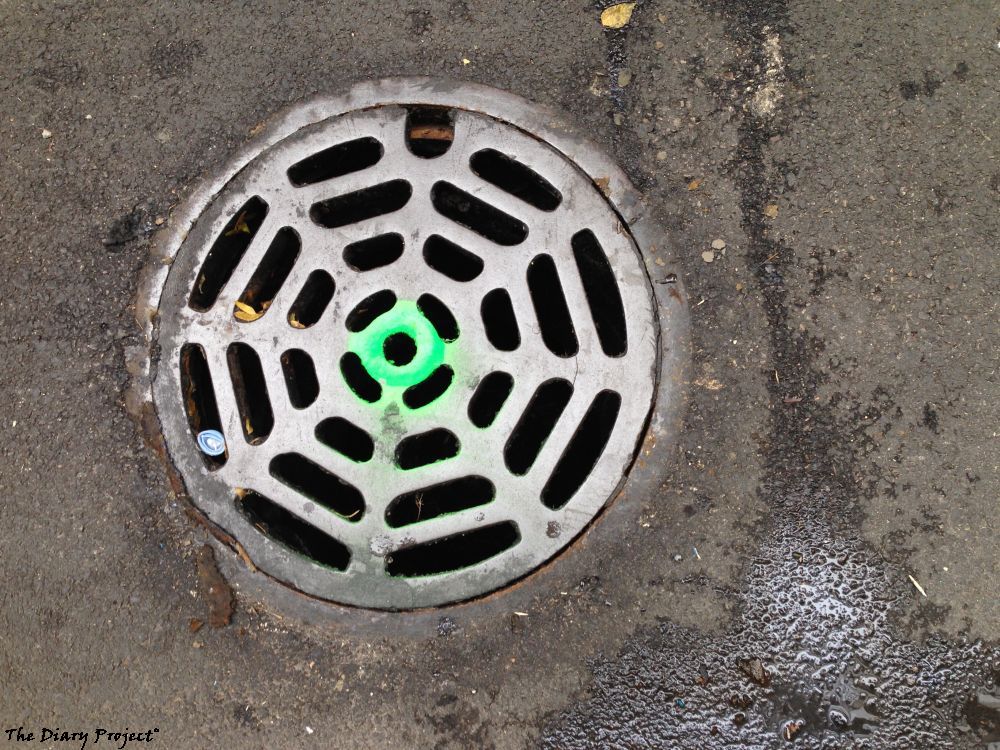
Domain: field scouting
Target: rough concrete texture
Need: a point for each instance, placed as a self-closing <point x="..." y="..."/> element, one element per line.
<point x="840" y="433"/>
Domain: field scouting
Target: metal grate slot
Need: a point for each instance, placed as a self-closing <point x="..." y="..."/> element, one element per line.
<point x="368" y="309"/>
<point x="199" y="399"/>
<point x="336" y="161"/>
<point x="439" y="316"/>
<point x="489" y="398"/>
<point x="601" y="290"/>
<point x="515" y="178"/>
<point x="426" y="448"/>
<point x="291" y="532"/>
<point x="429" y="131"/>
<point x="479" y="216"/>
<point x="357" y="378"/>
<point x="430" y="389"/>
<point x="318" y="484"/>
<point x="451" y="260"/>
<point x="300" y="378"/>
<point x="551" y="309"/>
<point x="376" y="252"/>
<point x="583" y="451"/>
<point x="361" y="205"/>
<point x="226" y="254"/>
<point x="453" y="552"/>
<point x="438" y="500"/>
<point x="346" y="438"/>
<point x="271" y="274"/>
<point x="499" y="321"/>
<point x="250" y="389"/>
<point x="536" y="424"/>
<point x="312" y="301"/>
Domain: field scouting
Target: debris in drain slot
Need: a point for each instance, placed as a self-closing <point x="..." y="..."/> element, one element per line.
<point x="211" y="442"/>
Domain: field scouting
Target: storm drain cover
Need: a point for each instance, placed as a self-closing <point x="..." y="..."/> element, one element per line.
<point x="406" y="351"/>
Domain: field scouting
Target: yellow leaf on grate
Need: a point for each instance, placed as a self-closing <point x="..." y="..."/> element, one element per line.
<point x="246" y="313"/>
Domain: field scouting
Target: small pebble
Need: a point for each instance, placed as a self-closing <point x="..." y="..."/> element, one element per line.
<point x="46" y="133"/>
<point x="624" y="78"/>
<point x="661" y="155"/>
<point x="677" y="558"/>
<point x="708" y="256"/>
<point x="718" y="244"/>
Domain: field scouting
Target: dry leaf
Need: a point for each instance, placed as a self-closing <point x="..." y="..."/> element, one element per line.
<point x="294" y="322"/>
<point x="694" y="184"/>
<point x="603" y="183"/>
<point x="616" y="16"/>
<point x="246" y="313"/>
<point x="771" y="210"/>
<point x="240" y="226"/>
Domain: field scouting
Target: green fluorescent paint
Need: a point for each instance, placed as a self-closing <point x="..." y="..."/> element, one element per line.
<point x="405" y="318"/>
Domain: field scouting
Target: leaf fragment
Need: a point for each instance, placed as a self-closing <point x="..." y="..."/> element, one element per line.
<point x="771" y="210"/>
<point x="246" y="313"/>
<point x="616" y="16"/>
<point x="240" y="227"/>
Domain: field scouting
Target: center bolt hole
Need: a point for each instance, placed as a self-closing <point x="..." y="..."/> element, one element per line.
<point x="399" y="349"/>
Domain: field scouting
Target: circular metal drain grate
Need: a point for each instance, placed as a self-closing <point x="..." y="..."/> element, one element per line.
<point x="426" y="338"/>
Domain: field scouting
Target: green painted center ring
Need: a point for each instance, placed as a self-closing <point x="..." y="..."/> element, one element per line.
<point x="407" y="319"/>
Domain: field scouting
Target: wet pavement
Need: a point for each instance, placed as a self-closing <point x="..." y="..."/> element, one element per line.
<point x="837" y="460"/>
